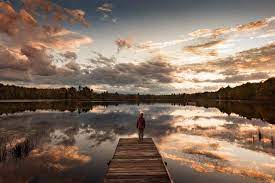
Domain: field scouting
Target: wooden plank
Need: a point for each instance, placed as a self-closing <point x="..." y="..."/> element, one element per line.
<point x="136" y="161"/>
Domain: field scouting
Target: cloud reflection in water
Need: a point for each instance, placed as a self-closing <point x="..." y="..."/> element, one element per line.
<point x="78" y="145"/>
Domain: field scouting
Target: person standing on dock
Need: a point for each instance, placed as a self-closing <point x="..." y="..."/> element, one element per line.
<point x="140" y="126"/>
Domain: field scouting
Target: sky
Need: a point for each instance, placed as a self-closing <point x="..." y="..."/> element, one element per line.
<point x="137" y="46"/>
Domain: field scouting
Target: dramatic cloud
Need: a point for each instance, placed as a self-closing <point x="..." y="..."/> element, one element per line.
<point x="209" y="32"/>
<point x="100" y="60"/>
<point x="29" y="46"/>
<point x="40" y="62"/>
<point x="128" y="43"/>
<point x="13" y="65"/>
<point x="36" y="48"/>
<point x="205" y="48"/>
<point x="58" y="12"/>
<point x="251" y="26"/>
<point x="155" y="70"/>
<point x="12" y="59"/>
<point x="106" y="10"/>
<point x="70" y="55"/>
<point x="252" y="65"/>
<point x="199" y="42"/>
<point x="13" y="22"/>
<point x="124" y="43"/>
<point x="242" y="77"/>
<point x="210" y="58"/>
<point x="74" y="67"/>
<point x="32" y="61"/>
<point x="150" y="45"/>
<point x="21" y="27"/>
<point x="258" y="59"/>
<point x="157" y="74"/>
<point x="14" y="75"/>
<point x="59" y="39"/>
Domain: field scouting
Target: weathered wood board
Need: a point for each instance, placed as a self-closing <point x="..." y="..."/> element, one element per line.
<point x="136" y="161"/>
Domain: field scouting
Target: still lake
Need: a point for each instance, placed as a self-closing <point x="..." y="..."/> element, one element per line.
<point x="65" y="141"/>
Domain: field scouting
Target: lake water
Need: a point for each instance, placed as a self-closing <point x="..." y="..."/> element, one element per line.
<point x="63" y="141"/>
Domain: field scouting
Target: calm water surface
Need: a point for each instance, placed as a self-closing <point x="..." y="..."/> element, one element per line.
<point x="57" y="142"/>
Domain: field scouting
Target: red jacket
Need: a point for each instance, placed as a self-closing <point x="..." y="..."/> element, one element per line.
<point x="140" y="123"/>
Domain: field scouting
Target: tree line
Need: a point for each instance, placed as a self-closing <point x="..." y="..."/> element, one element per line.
<point x="248" y="91"/>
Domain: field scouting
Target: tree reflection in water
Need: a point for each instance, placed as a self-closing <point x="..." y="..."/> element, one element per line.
<point x="74" y="140"/>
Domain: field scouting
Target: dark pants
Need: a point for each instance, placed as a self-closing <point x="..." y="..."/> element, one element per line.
<point x="140" y="133"/>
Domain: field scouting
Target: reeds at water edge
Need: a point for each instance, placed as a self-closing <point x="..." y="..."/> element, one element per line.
<point x="16" y="149"/>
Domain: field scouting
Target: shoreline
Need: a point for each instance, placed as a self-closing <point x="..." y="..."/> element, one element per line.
<point x="137" y="101"/>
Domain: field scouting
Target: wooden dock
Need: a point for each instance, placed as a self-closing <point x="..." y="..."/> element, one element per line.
<point x="138" y="162"/>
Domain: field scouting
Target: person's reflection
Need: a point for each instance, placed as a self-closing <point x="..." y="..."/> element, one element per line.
<point x="259" y="135"/>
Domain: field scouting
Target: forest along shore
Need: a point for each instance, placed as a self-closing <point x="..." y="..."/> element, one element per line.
<point x="262" y="91"/>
